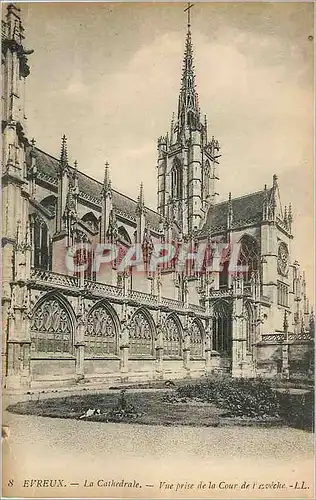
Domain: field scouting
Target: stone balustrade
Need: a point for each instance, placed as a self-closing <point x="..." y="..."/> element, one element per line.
<point x="197" y="308"/>
<point x="272" y="337"/>
<point x="103" y="290"/>
<point x="221" y="293"/>
<point x="294" y="337"/>
<point x="173" y="303"/>
<point x="281" y="337"/>
<point x="54" y="279"/>
<point x="142" y="297"/>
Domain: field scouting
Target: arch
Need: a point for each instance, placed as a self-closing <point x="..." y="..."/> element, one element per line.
<point x="123" y="235"/>
<point x="222" y="327"/>
<point x="197" y="338"/>
<point x="249" y="256"/>
<point x="52" y="325"/>
<point x="172" y="336"/>
<point x="102" y="330"/>
<point x="91" y="220"/>
<point x="191" y="119"/>
<point x="176" y="179"/>
<point x="41" y="243"/>
<point x="141" y="333"/>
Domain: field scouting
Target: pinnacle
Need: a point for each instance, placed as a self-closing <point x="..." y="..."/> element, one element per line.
<point x="63" y="152"/>
<point x="107" y="180"/>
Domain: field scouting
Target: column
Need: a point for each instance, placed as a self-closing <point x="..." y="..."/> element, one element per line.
<point x="159" y="351"/>
<point x="79" y="338"/>
<point x="208" y="345"/>
<point x="238" y="341"/>
<point x="186" y="348"/>
<point x="124" y="345"/>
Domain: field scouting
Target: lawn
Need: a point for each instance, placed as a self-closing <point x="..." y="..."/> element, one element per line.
<point x="204" y="403"/>
<point x="148" y="408"/>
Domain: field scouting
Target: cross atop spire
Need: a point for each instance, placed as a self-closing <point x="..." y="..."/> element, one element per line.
<point x="188" y="10"/>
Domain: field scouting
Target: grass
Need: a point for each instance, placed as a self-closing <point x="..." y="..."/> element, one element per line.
<point x="207" y="402"/>
<point x="151" y="409"/>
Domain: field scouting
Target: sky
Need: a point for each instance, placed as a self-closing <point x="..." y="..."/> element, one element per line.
<point x="108" y="76"/>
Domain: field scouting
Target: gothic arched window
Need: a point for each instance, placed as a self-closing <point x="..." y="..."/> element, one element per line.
<point x="176" y="180"/>
<point x="222" y="328"/>
<point x="248" y="256"/>
<point x="191" y="116"/>
<point x="101" y="332"/>
<point x="41" y="243"/>
<point x="171" y="338"/>
<point x="196" y="340"/>
<point x="51" y="327"/>
<point x="141" y="339"/>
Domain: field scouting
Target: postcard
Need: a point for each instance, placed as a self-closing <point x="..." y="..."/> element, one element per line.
<point x="157" y="250"/>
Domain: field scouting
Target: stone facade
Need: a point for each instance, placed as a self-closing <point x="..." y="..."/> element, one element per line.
<point x="63" y="327"/>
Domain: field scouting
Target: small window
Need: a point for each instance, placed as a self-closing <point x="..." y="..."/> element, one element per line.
<point x="283" y="294"/>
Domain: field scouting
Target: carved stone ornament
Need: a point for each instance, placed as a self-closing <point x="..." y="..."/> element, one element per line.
<point x="283" y="259"/>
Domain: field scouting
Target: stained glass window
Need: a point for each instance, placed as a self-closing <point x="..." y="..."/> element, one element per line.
<point x="222" y="328"/>
<point x="140" y="335"/>
<point x="51" y="328"/>
<point x="196" y="341"/>
<point x="248" y="256"/>
<point x="100" y="334"/>
<point x="171" y="338"/>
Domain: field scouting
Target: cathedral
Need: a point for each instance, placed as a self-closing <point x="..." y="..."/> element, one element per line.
<point x="64" y="326"/>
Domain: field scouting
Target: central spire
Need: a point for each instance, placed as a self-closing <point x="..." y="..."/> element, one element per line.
<point x="187" y="161"/>
<point x="188" y="107"/>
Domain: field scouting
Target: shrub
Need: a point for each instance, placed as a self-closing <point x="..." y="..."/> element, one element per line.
<point x="297" y="410"/>
<point x="239" y="397"/>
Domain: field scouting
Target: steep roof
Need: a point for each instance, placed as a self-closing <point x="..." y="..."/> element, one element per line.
<point x="246" y="209"/>
<point x="90" y="188"/>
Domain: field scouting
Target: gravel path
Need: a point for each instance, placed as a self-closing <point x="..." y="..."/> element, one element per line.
<point x="77" y="451"/>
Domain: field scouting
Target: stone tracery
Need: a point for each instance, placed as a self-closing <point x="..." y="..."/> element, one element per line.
<point x="140" y="335"/>
<point x="100" y="334"/>
<point x="51" y="327"/>
<point x="171" y="338"/>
